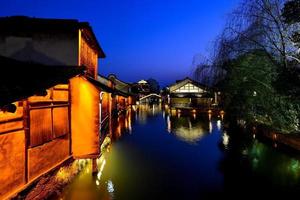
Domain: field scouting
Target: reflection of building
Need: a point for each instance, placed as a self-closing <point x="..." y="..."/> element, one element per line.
<point x="188" y="128"/>
<point x="189" y="94"/>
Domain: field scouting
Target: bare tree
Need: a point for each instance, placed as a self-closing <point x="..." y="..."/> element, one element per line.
<point x="257" y="24"/>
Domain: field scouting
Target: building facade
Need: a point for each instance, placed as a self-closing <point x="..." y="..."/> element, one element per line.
<point x="189" y="94"/>
<point x="62" y="120"/>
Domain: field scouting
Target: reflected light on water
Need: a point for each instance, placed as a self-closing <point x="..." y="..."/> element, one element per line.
<point x="219" y="125"/>
<point x="153" y="111"/>
<point x="210" y="127"/>
<point x="110" y="186"/>
<point x="169" y="124"/>
<point x="225" y="138"/>
<point x="194" y="115"/>
<point x="101" y="161"/>
<point x="209" y="116"/>
<point x="190" y="135"/>
<point x="129" y="124"/>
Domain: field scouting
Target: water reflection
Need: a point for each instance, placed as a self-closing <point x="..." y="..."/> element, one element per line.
<point x="187" y="128"/>
<point x="158" y="161"/>
<point x="225" y="138"/>
<point x="258" y="165"/>
<point x="144" y="112"/>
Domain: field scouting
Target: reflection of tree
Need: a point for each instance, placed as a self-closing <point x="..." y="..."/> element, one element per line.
<point x="250" y="165"/>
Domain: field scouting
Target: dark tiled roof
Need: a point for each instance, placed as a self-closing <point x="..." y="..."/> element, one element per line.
<point x="28" y="26"/>
<point x="19" y="80"/>
<point x="180" y="83"/>
<point x="100" y="85"/>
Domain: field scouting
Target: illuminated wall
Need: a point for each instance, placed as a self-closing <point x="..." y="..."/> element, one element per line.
<point x="105" y="104"/>
<point x="122" y="102"/>
<point x="24" y="157"/>
<point x="87" y="56"/>
<point x="180" y="100"/>
<point x="12" y="151"/>
<point x="189" y="88"/>
<point x="84" y="118"/>
<point x="49" y="130"/>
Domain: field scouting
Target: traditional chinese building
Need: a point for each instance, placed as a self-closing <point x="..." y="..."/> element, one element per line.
<point x="122" y="96"/>
<point x="34" y="121"/>
<point x="189" y="94"/>
<point x="141" y="88"/>
<point x="46" y="115"/>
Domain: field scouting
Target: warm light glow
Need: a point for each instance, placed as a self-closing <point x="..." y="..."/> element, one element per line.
<point x="85" y="118"/>
<point x="66" y="173"/>
<point x="188" y="134"/>
<point x="110" y="186"/>
<point x="225" y="138"/>
<point x="102" y="163"/>
<point x="222" y="113"/>
<point x="219" y="125"/>
<point x="169" y="124"/>
<point x="210" y="127"/>
<point x="194" y="115"/>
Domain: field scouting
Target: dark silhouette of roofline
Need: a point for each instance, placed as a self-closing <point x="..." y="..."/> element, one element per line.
<point x="19" y="80"/>
<point x="191" y="80"/>
<point x="24" y="25"/>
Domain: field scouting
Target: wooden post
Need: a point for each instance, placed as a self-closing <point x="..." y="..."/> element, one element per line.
<point x="26" y="124"/>
<point x="94" y="166"/>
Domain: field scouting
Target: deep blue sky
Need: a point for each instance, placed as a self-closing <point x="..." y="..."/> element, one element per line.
<point x="141" y="38"/>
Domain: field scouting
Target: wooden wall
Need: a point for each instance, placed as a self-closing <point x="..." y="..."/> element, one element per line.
<point x="105" y="104"/>
<point x="34" y="139"/>
<point x="49" y="122"/>
<point x="84" y="118"/>
<point x="88" y="56"/>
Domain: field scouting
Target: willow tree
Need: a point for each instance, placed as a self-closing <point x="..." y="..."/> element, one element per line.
<point x="256" y="49"/>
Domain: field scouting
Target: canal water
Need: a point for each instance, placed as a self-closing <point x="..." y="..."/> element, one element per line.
<point x="157" y="155"/>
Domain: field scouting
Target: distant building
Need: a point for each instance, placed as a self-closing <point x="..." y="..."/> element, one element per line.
<point x="140" y="89"/>
<point x="189" y="94"/>
<point x="122" y="96"/>
<point x="142" y="82"/>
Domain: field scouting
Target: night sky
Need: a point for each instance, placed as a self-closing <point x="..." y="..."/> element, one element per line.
<point x="141" y="38"/>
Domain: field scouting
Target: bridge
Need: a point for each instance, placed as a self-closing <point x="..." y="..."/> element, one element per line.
<point x="150" y="98"/>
